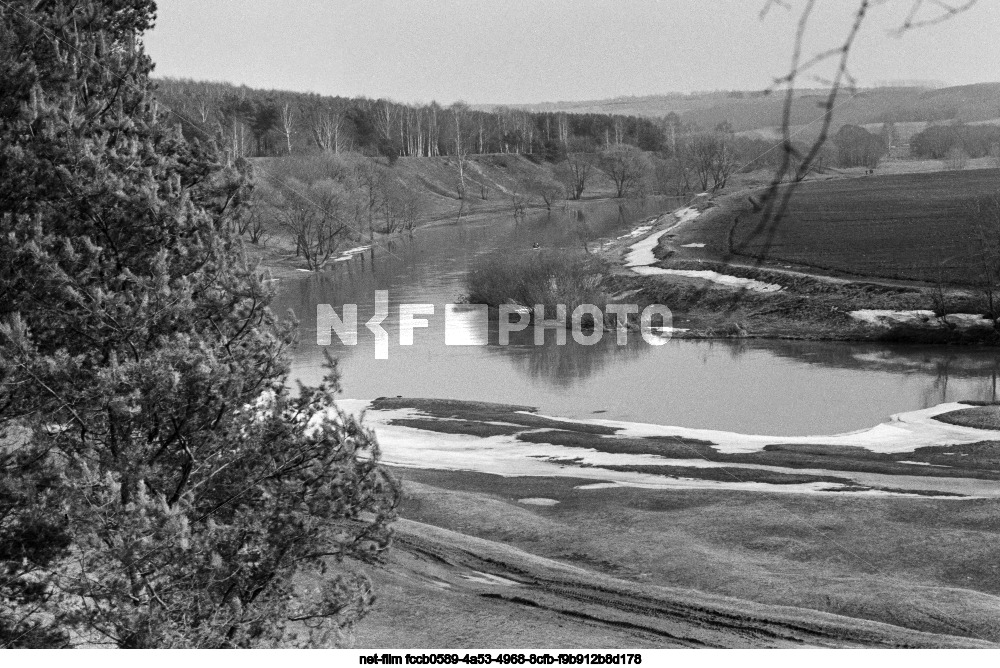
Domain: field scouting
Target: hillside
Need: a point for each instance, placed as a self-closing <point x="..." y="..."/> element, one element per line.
<point x="461" y="590"/>
<point x="754" y="110"/>
<point x="253" y="122"/>
<point x="492" y="182"/>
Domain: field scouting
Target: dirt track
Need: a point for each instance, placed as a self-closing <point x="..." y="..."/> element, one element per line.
<point x="462" y="591"/>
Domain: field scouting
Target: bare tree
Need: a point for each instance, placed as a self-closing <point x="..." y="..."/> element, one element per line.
<point x="315" y="216"/>
<point x="400" y="206"/>
<point x="545" y="188"/>
<point x="459" y="112"/>
<point x="672" y="176"/>
<point x="671" y="124"/>
<point x="384" y="115"/>
<point x="410" y="210"/>
<point x="234" y="117"/>
<point x="325" y="123"/>
<point x="255" y="229"/>
<point x="562" y="128"/>
<point x="712" y="159"/>
<point x="204" y="110"/>
<point x="520" y="198"/>
<point x="575" y="172"/>
<point x="985" y="215"/>
<point x="370" y="178"/>
<point x="627" y="166"/>
<point x="250" y="219"/>
<point x="287" y="121"/>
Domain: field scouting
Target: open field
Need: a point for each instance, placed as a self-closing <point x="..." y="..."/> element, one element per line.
<point x="714" y="293"/>
<point x="913" y="226"/>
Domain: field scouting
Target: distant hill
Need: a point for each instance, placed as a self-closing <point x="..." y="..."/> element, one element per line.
<point x="745" y="111"/>
<point x="267" y="123"/>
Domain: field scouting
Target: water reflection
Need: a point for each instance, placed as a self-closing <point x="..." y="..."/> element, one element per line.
<point x="939" y="364"/>
<point x="564" y="366"/>
<point x="777" y="387"/>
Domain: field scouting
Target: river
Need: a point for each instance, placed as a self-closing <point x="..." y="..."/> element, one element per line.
<point x="746" y="386"/>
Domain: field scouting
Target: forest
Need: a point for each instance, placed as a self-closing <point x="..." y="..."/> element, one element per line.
<point x="940" y="141"/>
<point x="267" y="123"/>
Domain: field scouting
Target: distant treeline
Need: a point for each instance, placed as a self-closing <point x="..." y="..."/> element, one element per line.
<point x="856" y="147"/>
<point x="249" y="122"/>
<point x="941" y="141"/>
<point x="268" y="123"/>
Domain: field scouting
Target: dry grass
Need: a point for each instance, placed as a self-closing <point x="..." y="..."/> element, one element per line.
<point x="980" y="417"/>
<point x="924" y="564"/>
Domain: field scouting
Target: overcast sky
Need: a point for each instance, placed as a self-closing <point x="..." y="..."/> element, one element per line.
<point x="510" y="51"/>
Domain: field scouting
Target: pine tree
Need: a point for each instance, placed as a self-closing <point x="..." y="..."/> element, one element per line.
<point x="189" y="499"/>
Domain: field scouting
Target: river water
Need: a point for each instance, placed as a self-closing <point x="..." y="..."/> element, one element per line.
<point x="760" y="387"/>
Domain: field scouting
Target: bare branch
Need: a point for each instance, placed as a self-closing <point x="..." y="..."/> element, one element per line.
<point x="771" y="3"/>
<point x="948" y="11"/>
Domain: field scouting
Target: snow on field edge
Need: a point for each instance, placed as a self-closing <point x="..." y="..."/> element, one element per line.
<point x="640" y="257"/>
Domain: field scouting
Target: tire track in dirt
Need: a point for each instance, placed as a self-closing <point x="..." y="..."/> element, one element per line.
<point x="667" y="616"/>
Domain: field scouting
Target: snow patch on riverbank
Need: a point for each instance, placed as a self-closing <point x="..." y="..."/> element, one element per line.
<point x="410" y="447"/>
<point x="641" y="253"/>
<point x="903" y="432"/>
<point x="504" y="455"/>
<point x="639" y="231"/>
<point x="538" y="501"/>
<point x="713" y="276"/>
<point x="640" y="257"/>
<point x="685" y="215"/>
<point x="918" y="318"/>
<point x="350" y="253"/>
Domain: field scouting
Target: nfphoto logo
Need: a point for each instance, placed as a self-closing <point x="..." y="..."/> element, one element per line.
<point x="469" y="324"/>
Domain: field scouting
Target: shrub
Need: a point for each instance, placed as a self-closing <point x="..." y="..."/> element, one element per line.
<point x="532" y="277"/>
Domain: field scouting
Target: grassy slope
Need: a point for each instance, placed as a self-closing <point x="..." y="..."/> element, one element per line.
<point x="435" y="182"/>
<point x="444" y="589"/>
<point x="928" y="565"/>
